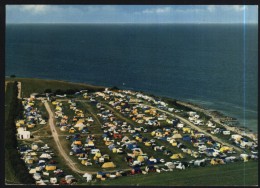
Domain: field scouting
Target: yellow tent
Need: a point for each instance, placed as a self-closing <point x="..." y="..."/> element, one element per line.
<point x="186" y="130"/>
<point x="224" y="149"/>
<point x="147" y="143"/>
<point x="108" y="165"/>
<point x="80" y="121"/>
<point x="176" y="156"/>
<point x="77" y="142"/>
<point x="114" y="150"/>
<point x="72" y="130"/>
<point x="213" y="162"/>
<point x="31" y="125"/>
<point x="106" y="156"/>
<point x="153" y="133"/>
<point x="140" y="158"/>
<point x="174" y="143"/>
<point x="29" y="161"/>
<point x="188" y="151"/>
<point x="31" y="103"/>
<point x="83" y="162"/>
<point x="107" y="143"/>
<point x="50" y="167"/>
<point x="137" y="152"/>
<point x="176" y="136"/>
<point x="54" y="102"/>
<point x="98" y="154"/>
<point x="21" y="122"/>
<point x="58" y="108"/>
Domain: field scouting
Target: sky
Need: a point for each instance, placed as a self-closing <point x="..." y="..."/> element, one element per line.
<point x="131" y="14"/>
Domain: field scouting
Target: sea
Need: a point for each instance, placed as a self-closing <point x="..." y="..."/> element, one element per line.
<point x="212" y="65"/>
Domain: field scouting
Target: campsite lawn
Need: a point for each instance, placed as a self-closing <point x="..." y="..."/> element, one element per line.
<point x="238" y="173"/>
<point x="35" y="85"/>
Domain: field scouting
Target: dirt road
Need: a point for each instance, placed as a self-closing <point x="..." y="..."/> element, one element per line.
<point x="55" y="135"/>
<point x="19" y="85"/>
<point x="199" y="129"/>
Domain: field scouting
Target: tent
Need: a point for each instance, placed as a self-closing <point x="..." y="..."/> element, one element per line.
<point x="34" y="147"/>
<point x="125" y="138"/>
<point x="176" y="156"/>
<point x="50" y="167"/>
<point x="131" y="146"/>
<point x="77" y="142"/>
<point x="108" y="165"/>
<point x="90" y="143"/>
<point x="186" y="138"/>
<point x="137" y="151"/>
<point x="72" y="130"/>
<point x="97" y="155"/>
<point x="147" y="144"/>
<point x="175" y="136"/>
<point x="140" y="158"/>
<point x="80" y="126"/>
<point x="63" y="128"/>
<point x="136" y="170"/>
<point x="32" y="171"/>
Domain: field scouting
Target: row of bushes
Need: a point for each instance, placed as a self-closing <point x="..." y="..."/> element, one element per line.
<point x="15" y="112"/>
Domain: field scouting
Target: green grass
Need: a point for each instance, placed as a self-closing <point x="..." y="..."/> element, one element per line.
<point x="239" y="173"/>
<point x="230" y="174"/>
<point x="35" y="85"/>
<point x="10" y="177"/>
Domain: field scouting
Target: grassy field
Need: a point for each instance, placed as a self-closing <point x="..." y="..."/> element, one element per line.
<point x="230" y="174"/>
<point x="10" y="177"/>
<point x="242" y="174"/>
<point x="34" y="85"/>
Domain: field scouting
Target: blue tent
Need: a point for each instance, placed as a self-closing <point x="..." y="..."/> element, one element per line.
<point x="186" y="138"/>
<point x="145" y="139"/>
<point x="136" y="134"/>
<point x="162" y="138"/>
<point x="148" y="162"/>
<point x="131" y="146"/>
<point x="137" y="169"/>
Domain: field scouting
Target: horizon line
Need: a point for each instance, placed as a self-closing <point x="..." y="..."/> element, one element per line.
<point x="131" y="23"/>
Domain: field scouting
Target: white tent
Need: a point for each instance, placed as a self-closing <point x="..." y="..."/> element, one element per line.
<point x="80" y="126"/>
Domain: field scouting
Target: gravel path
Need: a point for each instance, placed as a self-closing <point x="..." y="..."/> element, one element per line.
<point x="19" y="85"/>
<point x="199" y="129"/>
<point x="55" y="135"/>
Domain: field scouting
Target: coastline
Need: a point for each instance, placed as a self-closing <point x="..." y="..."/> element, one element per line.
<point x="215" y="115"/>
<point x="218" y="117"/>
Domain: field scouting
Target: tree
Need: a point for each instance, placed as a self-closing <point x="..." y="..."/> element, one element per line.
<point x="13" y="76"/>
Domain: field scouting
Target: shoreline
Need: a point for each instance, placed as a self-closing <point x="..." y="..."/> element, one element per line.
<point x="218" y="117"/>
<point x="215" y="115"/>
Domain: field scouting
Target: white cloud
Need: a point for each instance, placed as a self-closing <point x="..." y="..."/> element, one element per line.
<point x="211" y="8"/>
<point x="35" y="9"/>
<point x="157" y="10"/>
<point x="190" y="10"/>
<point x="239" y="7"/>
<point x="236" y="8"/>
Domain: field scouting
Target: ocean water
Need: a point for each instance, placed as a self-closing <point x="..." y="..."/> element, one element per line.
<point x="212" y="65"/>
